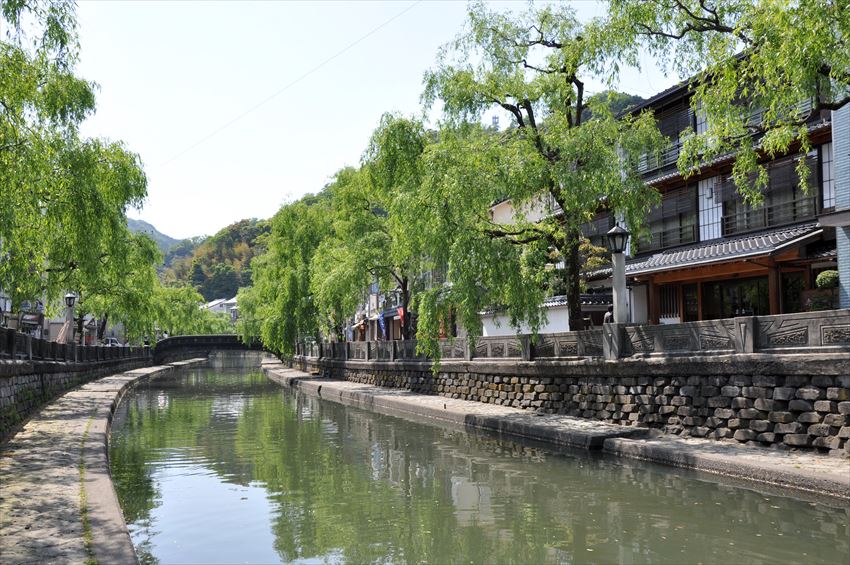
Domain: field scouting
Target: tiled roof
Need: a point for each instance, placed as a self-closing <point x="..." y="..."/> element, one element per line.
<point x="561" y="300"/>
<point x="716" y="251"/>
<point x="822" y="250"/>
<point x="733" y="248"/>
<point x="597" y="299"/>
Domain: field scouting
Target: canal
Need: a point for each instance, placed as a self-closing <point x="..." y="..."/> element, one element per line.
<point x="215" y="466"/>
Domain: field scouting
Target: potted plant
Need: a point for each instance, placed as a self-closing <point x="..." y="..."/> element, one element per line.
<point x="824" y="297"/>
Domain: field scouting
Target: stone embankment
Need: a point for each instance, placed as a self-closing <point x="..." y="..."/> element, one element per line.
<point x="793" y="400"/>
<point x="57" y="503"/>
<point x="26" y="385"/>
<point x="796" y="469"/>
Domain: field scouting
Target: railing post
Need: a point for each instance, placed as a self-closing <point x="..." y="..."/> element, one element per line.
<point x="368" y="350"/>
<point x="526" y="345"/>
<point x="13" y="343"/>
<point x="745" y="334"/>
<point x="392" y="350"/>
<point x="612" y="341"/>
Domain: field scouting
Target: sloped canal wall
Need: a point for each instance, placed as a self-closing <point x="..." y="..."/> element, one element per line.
<point x="791" y="400"/>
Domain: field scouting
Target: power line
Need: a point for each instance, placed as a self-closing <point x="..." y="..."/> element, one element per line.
<point x="288" y="86"/>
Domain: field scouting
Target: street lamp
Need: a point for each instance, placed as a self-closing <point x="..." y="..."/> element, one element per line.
<point x="618" y="238"/>
<point x="70" y="298"/>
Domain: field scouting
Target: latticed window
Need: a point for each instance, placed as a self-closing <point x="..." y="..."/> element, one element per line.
<point x="673" y="222"/>
<point x="596" y="229"/>
<point x="668" y="301"/>
<point x="784" y="200"/>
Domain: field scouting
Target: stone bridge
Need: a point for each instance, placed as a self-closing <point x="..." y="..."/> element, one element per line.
<point x="183" y="347"/>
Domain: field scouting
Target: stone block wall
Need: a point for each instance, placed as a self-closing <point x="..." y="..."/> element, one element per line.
<point x="25" y="386"/>
<point x="791" y="401"/>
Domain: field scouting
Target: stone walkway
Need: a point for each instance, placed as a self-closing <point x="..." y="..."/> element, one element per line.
<point x="57" y="502"/>
<point x="801" y="470"/>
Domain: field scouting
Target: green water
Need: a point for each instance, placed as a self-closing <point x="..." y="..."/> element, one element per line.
<point x="228" y="467"/>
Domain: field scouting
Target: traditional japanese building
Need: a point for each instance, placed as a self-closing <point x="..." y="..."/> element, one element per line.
<point x="707" y="254"/>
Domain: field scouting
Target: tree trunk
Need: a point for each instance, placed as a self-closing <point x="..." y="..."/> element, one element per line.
<point x="102" y="329"/>
<point x="405" y="302"/>
<point x="572" y="271"/>
<point x="80" y="329"/>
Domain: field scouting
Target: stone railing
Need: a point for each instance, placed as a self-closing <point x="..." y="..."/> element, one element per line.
<point x="18" y="346"/>
<point x="184" y="346"/>
<point x="786" y="333"/>
<point x="806" y="332"/>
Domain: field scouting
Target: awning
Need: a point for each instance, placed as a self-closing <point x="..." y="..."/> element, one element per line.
<point x="31" y="319"/>
<point x="724" y="250"/>
<point x="747" y="246"/>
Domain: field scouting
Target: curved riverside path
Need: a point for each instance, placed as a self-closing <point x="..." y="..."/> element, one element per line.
<point x="798" y="470"/>
<point x="57" y="502"/>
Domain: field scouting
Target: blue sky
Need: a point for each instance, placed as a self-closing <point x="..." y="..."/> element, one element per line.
<point x="214" y="97"/>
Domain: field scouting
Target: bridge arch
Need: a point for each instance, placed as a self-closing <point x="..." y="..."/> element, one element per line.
<point x="183" y="347"/>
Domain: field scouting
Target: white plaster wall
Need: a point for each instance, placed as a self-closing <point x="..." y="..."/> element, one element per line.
<point x="503" y="212"/>
<point x="558" y="321"/>
<point x="640" y="304"/>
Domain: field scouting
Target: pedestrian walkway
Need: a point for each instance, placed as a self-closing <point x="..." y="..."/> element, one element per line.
<point x="57" y="502"/>
<point x="801" y="470"/>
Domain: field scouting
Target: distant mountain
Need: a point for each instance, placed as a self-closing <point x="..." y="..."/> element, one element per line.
<point x="163" y="241"/>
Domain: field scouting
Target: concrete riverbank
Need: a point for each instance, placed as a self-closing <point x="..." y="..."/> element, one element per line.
<point x="802" y="471"/>
<point x="57" y="501"/>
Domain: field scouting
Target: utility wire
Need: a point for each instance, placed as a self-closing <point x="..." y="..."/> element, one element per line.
<point x="288" y="86"/>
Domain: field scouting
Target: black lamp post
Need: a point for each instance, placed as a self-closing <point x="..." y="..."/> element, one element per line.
<point x="618" y="239"/>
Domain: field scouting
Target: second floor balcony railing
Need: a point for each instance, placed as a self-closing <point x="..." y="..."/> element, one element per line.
<point x="749" y="219"/>
<point x="669" y="238"/>
<point x="651" y="162"/>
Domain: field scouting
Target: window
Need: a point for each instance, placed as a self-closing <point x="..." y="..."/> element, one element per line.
<point x="727" y="299"/>
<point x="672" y="121"/>
<point x="673" y="222"/>
<point x="668" y="301"/>
<point x="596" y="229"/>
<point x="784" y="201"/>
<point x="827" y="176"/>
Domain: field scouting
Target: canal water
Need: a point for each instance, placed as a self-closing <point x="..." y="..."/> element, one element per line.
<point x="228" y="467"/>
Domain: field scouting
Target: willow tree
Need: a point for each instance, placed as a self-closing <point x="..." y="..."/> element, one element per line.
<point x="63" y="199"/>
<point x="762" y="70"/>
<point x="556" y="164"/>
<point x="280" y="305"/>
<point x="370" y="241"/>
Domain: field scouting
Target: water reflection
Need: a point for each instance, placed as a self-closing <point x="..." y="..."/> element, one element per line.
<point x="230" y="467"/>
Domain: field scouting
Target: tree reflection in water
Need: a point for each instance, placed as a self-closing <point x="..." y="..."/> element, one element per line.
<point x="346" y="485"/>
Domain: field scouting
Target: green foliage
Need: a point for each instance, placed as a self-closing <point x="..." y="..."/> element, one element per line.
<point x="178" y="311"/>
<point x="370" y="240"/>
<point x="280" y="307"/>
<point x="765" y="68"/>
<point x="827" y="279"/>
<point x="219" y="265"/>
<point x="63" y="200"/>
<point x="556" y="168"/>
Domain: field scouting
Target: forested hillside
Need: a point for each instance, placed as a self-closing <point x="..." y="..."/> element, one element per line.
<point x="218" y="265"/>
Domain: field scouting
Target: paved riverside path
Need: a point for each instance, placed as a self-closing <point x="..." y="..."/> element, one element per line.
<point x="57" y="502"/>
<point x="799" y="470"/>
